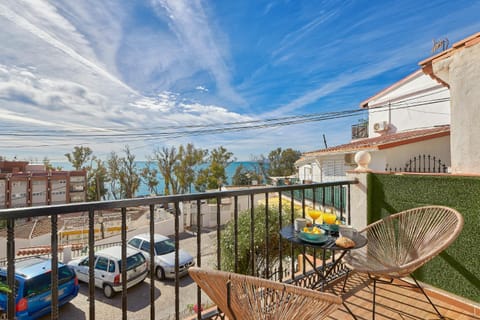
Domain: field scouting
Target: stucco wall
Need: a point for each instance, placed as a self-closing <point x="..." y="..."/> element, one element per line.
<point x="405" y="113"/>
<point x="438" y="148"/>
<point x="398" y="156"/>
<point x="462" y="72"/>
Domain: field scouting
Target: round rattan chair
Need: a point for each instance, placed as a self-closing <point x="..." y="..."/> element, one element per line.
<point x="401" y="243"/>
<point x="246" y="297"/>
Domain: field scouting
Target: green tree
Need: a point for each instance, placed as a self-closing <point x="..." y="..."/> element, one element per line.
<point x="243" y="176"/>
<point x="129" y="177"/>
<point x="149" y="176"/>
<point x="79" y="157"/>
<point x="97" y="177"/>
<point x="188" y="159"/>
<point x="178" y="167"/>
<point x="214" y="175"/>
<point x="260" y="246"/>
<point x="113" y="164"/>
<point x="166" y="159"/>
<point x="123" y="174"/>
<point x="282" y="162"/>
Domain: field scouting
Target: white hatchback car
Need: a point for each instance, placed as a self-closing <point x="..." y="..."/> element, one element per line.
<point x="108" y="272"/>
<point x="164" y="255"/>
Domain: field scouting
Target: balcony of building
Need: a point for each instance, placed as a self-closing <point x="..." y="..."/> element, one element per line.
<point x="251" y="219"/>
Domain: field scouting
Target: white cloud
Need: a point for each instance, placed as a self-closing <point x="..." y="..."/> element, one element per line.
<point x="201" y="88"/>
<point x="193" y="29"/>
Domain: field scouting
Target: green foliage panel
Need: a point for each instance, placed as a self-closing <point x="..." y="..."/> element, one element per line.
<point x="457" y="269"/>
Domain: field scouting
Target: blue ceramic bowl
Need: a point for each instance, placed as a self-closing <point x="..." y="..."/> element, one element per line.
<point x="312" y="236"/>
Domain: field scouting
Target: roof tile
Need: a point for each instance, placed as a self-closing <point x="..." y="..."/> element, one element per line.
<point x="386" y="141"/>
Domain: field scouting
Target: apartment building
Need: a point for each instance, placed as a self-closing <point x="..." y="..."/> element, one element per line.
<point x="25" y="185"/>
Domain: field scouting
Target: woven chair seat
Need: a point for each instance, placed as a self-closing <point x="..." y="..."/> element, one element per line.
<point x="401" y="243"/>
<point x="247" y="297"/>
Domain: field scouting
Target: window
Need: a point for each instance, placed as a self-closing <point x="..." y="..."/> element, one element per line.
<point x="135" y="242"/>
<point x="102" y="264"/>
<point x="38" y="284"/>
<point x="111" y="266"/>
<point x="164" y="247"/>
<point x="333" y="170"/>
<point x="65" y="274"/>
<point x="133" y="261"/>
<point x="3" y="281"/>
<point x="84" y="262"/>
<point x="146" y="246"/>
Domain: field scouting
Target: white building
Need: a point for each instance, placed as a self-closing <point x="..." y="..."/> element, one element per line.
<point x="408" y="130"/>
<point x="458" y="68"/>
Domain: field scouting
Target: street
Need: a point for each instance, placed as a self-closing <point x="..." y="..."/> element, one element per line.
<point x="139" y="296"/>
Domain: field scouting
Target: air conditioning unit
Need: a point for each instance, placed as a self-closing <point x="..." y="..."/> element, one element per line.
<point x="380" y="126"/>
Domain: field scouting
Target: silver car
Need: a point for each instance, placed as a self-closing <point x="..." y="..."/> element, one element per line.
<point x="108" y="272"/>
<point x="164" y="255"/>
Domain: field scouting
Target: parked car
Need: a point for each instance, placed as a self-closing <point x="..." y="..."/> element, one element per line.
<point x="33" y="296"/>
<point x="164" y="249"/>
<point x="108" y="272"/>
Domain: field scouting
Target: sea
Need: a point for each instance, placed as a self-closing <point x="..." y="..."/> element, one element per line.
<point x="143" y="189"/>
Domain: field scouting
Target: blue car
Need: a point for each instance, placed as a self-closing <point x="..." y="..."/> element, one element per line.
<point x="33" y="287"/>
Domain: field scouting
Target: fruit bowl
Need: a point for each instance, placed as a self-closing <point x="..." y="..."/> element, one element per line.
<point x="312" y="233"/>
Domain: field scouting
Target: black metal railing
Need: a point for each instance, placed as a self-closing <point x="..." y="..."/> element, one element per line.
<point x="95" y="209"/>
<point x="422" y="163"/>
<point x="360" y="130"/>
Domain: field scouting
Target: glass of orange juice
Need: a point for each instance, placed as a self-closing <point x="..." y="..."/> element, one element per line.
<point x="314" y="214"/>
<point x="329" y="217"/>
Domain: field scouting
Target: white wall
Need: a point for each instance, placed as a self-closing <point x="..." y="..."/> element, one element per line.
<point x="58" y="191"/>
<point x="398" y="156"/>
<point x="358" y="199"/>
<point x="19" y="193"/>
<point x="462" y="72"/>
<point x="404" y="115"/>
<point x="209" y="211"/>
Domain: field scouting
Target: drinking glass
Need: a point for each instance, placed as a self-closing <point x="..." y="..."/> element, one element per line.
<point x="314" y="214"/>
<point x="329" y="217"/>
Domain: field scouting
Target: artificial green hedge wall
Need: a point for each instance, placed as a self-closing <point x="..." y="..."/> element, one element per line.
<point x="457" y="269"/>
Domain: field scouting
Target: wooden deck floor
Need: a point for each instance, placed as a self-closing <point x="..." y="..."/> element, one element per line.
<point x="396" y="302"/>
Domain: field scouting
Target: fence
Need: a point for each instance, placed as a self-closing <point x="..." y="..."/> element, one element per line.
<point x="94" y="209"/>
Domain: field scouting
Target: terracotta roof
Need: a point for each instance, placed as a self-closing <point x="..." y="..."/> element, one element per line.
<point x="460" y="45"/>
<point x="386" y="141"/>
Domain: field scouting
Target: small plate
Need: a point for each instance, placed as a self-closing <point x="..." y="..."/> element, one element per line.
<point x="329" y="227"/>
<point x="322" y="239"/>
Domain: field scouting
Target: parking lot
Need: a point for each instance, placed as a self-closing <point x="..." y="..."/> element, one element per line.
<point x="138" y="301"/>
<point x="139" y="296"/>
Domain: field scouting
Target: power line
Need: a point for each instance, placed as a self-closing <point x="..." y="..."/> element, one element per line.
<point x="172" y="132"/>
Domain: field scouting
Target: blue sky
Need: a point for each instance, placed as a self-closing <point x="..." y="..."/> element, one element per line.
<point x="106" y="74"/>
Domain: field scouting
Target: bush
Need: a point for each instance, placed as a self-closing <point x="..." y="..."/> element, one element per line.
<point x="260" y="245"/>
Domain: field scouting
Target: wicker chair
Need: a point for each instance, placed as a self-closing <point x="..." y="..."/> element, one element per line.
<point x="401" y="243"/>
<point x="247" y="297"/>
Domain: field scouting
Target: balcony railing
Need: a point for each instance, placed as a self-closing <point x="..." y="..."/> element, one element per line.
<point x="360" y="130"/>
<point x="301" y="196"/>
